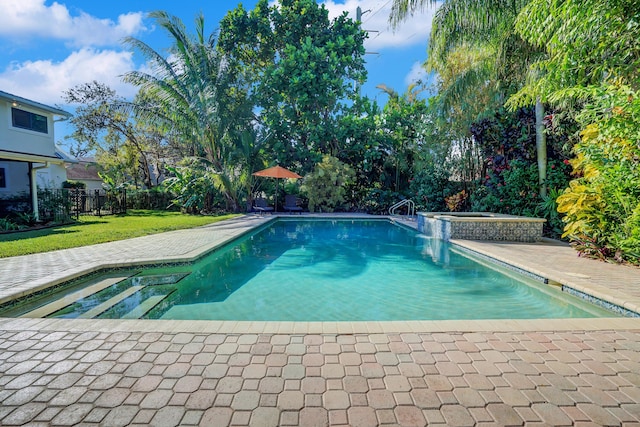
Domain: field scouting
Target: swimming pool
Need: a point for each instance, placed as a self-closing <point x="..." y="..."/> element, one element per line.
<point x="317" y="270"/>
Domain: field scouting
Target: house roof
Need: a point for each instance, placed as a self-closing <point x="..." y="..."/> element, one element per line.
<point x="83" y="170"/>
<point x="24" y="101"/>
<point x="59" y="157"/>
<point x="66" y="157"/>
<point x="26" y="157"/>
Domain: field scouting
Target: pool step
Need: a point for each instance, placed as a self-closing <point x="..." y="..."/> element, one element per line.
<point x="158" y="279"/>
<point x="50" y="308"/>
<point x="144" y="307"/>
<point x="96" y="311"/>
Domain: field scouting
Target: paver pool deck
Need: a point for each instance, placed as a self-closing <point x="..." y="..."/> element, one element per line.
<point x="150" y="372"/>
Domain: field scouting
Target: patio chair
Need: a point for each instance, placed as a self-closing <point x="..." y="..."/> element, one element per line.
<point x="260" y="205"/>
<point x="291" y="204"/>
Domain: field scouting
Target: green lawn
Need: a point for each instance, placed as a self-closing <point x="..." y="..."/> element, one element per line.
<point x="92" y="230"/>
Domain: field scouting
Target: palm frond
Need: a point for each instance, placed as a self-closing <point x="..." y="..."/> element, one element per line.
<point x="401" y="9"/>
<point x="464" y="89"/>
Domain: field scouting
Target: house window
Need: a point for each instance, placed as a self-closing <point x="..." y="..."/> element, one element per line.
<point x="27" y="120"/>
<point x="3" y="177"/>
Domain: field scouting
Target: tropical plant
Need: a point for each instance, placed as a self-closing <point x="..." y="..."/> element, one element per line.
<point x="548" y="208"/>
<point x="364" y="148"/>
<point x="194" y="186"/>
<point x="457" y="202"/>
<point x="401" y="124"/>
<point x="602" y="206"/>
<point x="249" y="155"/>
<point x="190" y="93"/>
<point x="8" y="225"/>
<point x="26" y="219"/>
<point x="593" y="57"/>
<point x="511" y="188"/>
<point x="587" y="43"/>
<point x="301" y="68"/>
<point x="326" y="187"/>
<point x="484" y="31"/>
<point x="431" y="185"/>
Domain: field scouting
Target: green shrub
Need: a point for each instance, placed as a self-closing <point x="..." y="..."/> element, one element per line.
<point x="8" y="225"/>
<point x="514" y="191"/>
<point x="377" y="201"/>
<point x="158" y="198"/>
<point x="326" y="186"/>
<point x="602" y="205"/>
<point x="74" y="184"/>
<point x="431" y="186"/>
<point x="510" y="185"/>
<point x="194" y="187"/>
<point x="548" y="208"/>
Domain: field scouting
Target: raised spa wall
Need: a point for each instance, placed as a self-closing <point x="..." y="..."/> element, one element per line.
<point x="480" y="226"/>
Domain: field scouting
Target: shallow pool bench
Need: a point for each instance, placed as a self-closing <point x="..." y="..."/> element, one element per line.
<point x="480" y="226"/>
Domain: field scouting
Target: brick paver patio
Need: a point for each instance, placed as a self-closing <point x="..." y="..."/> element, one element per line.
<point x="411" y="379"/>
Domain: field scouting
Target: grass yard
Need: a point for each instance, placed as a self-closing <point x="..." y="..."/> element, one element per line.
<point x="92" y="230"/>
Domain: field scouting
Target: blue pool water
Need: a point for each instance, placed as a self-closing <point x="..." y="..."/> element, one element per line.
<point x="331" y="270"/>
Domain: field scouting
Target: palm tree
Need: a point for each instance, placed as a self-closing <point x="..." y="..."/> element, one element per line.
<point x="400" y="152"/>
<point x="189" y="88"/>
<point x="478" y="26"/>
<point x="588" y="42"/>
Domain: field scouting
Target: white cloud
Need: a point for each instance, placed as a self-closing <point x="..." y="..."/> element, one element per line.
<point x="416" y="73"/>
<point x="45" y="81"/>
<point x="25" y="19"/>
<point x="375" y="17"/>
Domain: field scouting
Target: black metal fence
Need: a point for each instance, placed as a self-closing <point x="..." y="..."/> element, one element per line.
<point x="98" y="202"/>
<point x="151" y="199"/>
<point x="65" y="204"/>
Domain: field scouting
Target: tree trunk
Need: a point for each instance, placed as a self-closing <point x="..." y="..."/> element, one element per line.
<point x="541" y="148"/>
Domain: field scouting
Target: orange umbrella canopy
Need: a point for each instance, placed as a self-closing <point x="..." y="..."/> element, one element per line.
<point x="277" y="172"/>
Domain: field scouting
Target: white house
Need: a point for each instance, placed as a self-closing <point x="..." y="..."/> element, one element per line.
<point x="85" y="170"/>
<point x="27" y="144"/>
<point x="55" y="174"/>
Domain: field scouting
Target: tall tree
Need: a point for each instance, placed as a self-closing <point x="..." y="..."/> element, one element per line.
<point x="400" y="122"/>
<point x="301" y="69"/>
<point x="112" y="133"/>
<point x="587" y="42"/>
<point x="481" y="26"/>
<point x="593" y="50"/>
<point x="193" y="96"/>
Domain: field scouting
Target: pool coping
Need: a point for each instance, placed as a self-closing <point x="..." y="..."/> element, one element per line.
<point x="317" y="327"/>
<point x="339" y="328"/>
<point x="479" y="217"/>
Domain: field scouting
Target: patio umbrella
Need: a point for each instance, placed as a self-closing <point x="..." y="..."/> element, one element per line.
<point x="277" y="172"/>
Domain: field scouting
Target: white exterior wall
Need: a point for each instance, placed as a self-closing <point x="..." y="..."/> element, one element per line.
<point x="92" y="184"/>
<point x="17" y="176"/>
<point x="52" y="176"/>
<point x="23" y="140"/>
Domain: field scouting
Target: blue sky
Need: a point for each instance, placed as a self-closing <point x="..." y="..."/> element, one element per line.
<point x="48" y="47"/>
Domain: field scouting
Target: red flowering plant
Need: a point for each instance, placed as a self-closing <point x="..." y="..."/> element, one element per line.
<point x="510" y="182"/>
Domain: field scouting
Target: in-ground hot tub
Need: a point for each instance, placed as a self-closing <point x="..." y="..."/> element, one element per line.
<point x="480" y="226"/>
